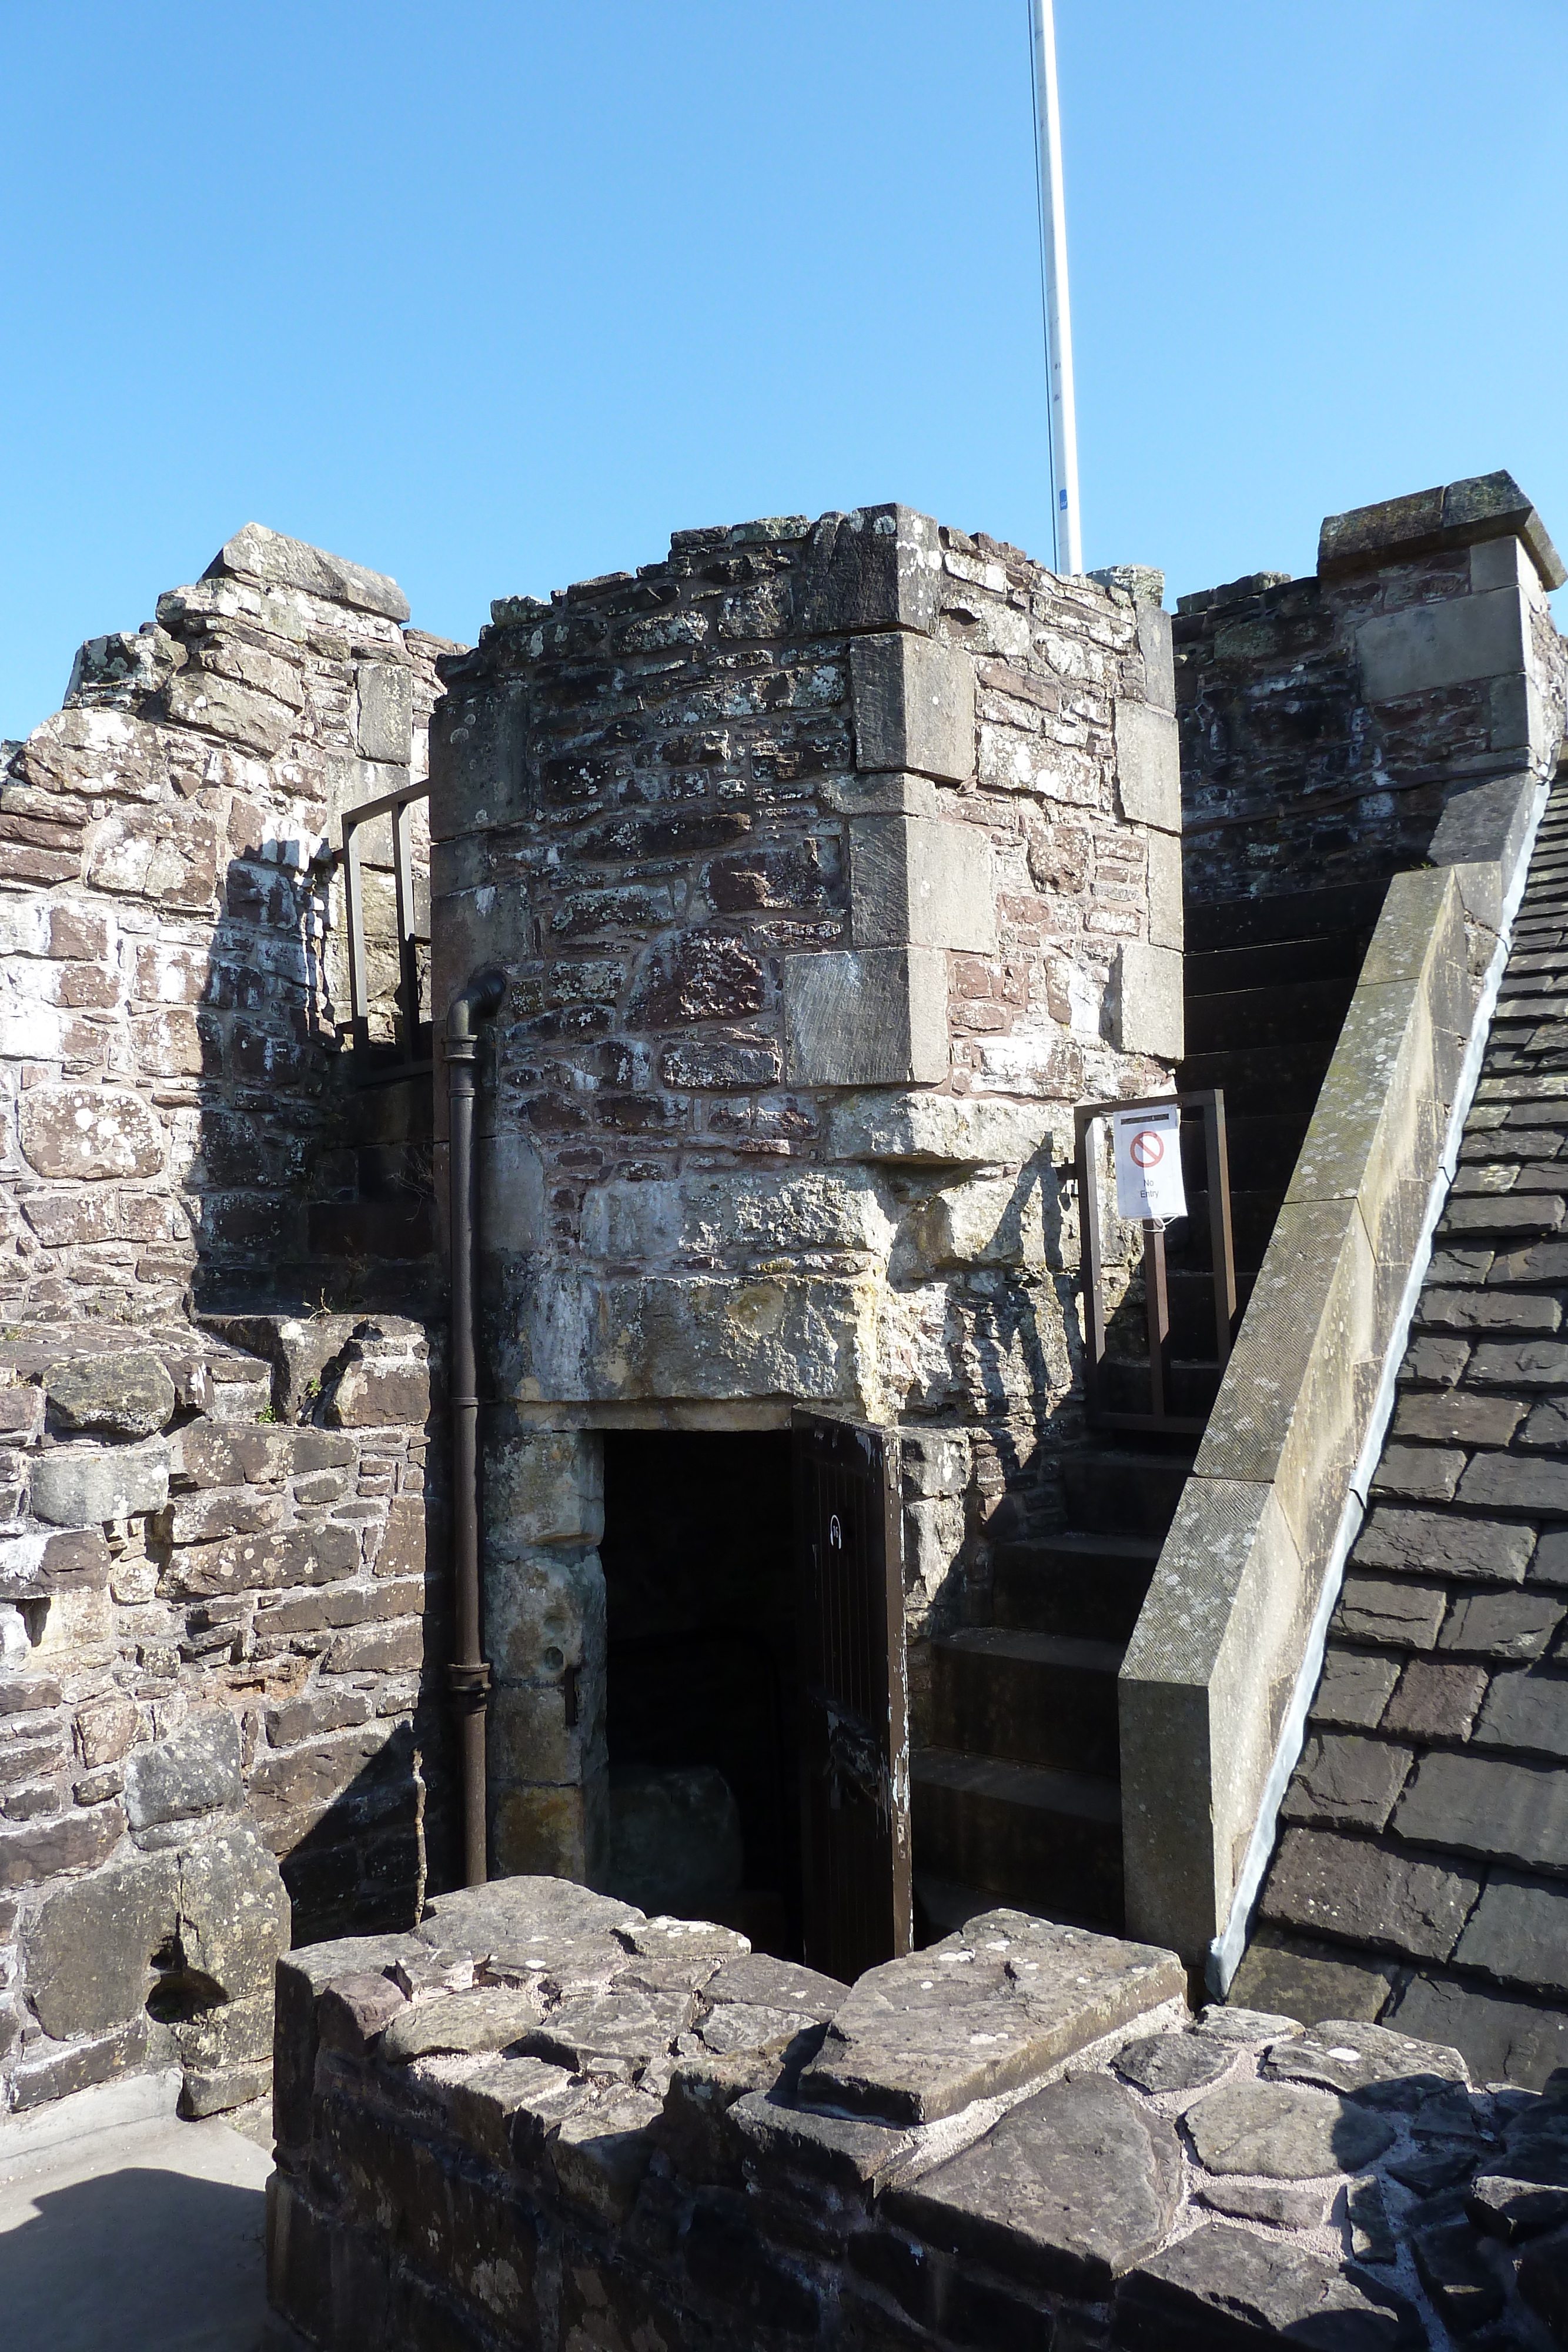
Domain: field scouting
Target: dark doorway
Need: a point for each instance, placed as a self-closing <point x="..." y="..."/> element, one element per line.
<point x="702" y="1700"/>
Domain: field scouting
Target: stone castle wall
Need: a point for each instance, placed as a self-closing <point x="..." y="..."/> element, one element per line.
<point x="1326" y="721"/>
<point x="172" y="986"/>
<point x="829" y="866"/>
<point x="216" y="1628"/>
<point x="217" y="1634"/>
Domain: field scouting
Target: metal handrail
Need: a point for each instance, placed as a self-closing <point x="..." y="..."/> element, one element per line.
<point x="1210" y="1101"/>
<point x="397" y="805"/>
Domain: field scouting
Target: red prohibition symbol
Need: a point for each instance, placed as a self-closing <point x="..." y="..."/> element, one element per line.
<point x="1146" y="1148"/>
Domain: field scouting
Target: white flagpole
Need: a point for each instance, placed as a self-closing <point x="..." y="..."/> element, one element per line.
<point x="1057" y="313"/>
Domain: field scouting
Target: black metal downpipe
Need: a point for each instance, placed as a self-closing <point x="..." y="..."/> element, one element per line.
<point x="469" y="1675"/>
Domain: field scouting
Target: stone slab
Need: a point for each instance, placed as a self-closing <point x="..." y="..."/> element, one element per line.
<point x="1311" y="1979"/>
<point x="1493" y="1811"/>
<point x="1353" y="2055"/>
<point x="1254" y="2288"/>
<point x="980" y="2013"/>
<point x="1327" y="1884"/>
<point x="1519" y="1932"/>
<point x="1284" y="2133"/>
<point x="1065" y="2193"/>
<point x="1504" y="2038"/>
<point x="1354" y="1689"/>
<point x="1442" y="1543"/>
<point x="1346" y="1780"/>
<point x="1172" y="2062"/>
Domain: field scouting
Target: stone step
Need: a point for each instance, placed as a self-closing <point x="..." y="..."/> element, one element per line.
<point x="1050" y="1841"/>
<point x="1189" y="1388"/>
<point x="1274" y="964"/>
<point x="1033" y="1698"/>
<point x="1085" y="1586"/>
<point x="1311" y="915"/>
<point x="1115" y="1491"/>
<point x="1281" y="1015"/>
<point x="943" y="1905"/>
<point x="1262" y="1080"/>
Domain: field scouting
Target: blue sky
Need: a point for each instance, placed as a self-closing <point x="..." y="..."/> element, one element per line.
<point x="494" y="295"/>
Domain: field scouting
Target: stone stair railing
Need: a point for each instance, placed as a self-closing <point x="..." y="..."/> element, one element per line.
<point x="1215" y="1687"/>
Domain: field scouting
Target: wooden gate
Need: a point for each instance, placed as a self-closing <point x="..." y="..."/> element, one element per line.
<point x="854" y="1729"/>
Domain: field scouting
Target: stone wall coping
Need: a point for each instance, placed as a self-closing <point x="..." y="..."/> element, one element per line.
<point x="1217" y="1679"/>
<point x="1424" y="522"/>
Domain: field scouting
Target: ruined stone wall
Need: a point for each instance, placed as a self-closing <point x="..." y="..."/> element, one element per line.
<point x="217" y="1634"/>
<point x="1325" y="721"/>
<point x="829" y="866"/>
<point x="173" y="987"/>
<point x="215" y="1625"/>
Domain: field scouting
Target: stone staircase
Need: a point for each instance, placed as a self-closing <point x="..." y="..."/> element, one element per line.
<point x="1018" y="1796"/>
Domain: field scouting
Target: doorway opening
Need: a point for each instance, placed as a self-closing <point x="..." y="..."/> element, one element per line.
<point x="703" y="1695"/>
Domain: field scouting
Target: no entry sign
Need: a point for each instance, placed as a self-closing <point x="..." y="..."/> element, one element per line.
<point x="1148" y="1164"/>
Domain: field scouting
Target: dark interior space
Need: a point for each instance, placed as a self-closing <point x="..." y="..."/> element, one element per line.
<point x="702" y="1677"/>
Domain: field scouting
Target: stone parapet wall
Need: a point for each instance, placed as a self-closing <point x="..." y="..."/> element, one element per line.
<point x="172" y="982"/>
<point x="217" y="1631"/>
<point x="1325" y="721"/>
<point x="543" y="2119"/>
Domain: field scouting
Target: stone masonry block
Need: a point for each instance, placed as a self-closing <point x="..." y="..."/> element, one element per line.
<point x="1148" y="1000"/>
<point x="661" y="1335"/>
<point x="996" y="1221"/>
<point x="877" y="568"/>
<point x="914" y="706"/>
<point x="1166" y="927"/>
<point x="918" y="883"/>
<point x="89" y="1132"/>
<point x="543" y="1487"/>
<point x="544" y="1613"/>
<point x="1482" y="835"/>
<point x="866" y="1017"/>
<point x="1289" y="1406"/>
<point x="1148" y="766"/>
<point x="937" y="1130"/>
<point x="83" y="1485"/>
<point x="385" y="723"/>
<point x="257" y="553"/>
<point x="1154" y="643"/>
<point x="709" y="1217"/>
<point x="1200" y="1695"/>
<point x="550" y="1831"/>
<point x="1421" y="649"/>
